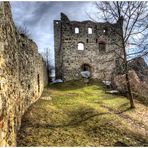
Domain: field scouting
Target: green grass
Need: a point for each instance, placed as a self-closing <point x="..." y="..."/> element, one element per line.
<point x="76" y="117"/>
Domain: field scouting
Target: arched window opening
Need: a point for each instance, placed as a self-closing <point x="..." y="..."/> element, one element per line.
<point x="80" y="46"/>
<point x="89" y="30"/>
<point x="76" y="30"/>
<point x="102" y="47"/>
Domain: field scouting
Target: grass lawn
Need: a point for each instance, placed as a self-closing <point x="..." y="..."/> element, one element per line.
<point x="80" y="115"/>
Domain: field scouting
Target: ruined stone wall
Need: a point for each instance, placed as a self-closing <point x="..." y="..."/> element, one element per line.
<point x="69" y="59"/>
<point x="22" y="76"/>
<point x="58" y="46"/>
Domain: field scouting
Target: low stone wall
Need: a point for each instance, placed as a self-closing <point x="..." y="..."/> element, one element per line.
<point x="138" y="87"/>
<point x="22" y="76"/>
<point x="120" y="81"/>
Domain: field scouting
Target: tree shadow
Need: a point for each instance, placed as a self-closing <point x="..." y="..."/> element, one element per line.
<point x="77" y="117"/>
<point x="108" y="132"/>
<point x="70" y="124"/>
<point x="121" y="109"/>
<point x="125" y="110"/>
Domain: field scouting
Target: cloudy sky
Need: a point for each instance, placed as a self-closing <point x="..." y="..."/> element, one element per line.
<point x="38" y="18"/>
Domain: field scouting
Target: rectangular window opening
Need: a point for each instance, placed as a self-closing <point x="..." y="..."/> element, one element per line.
<point x="89" y="30"/>
<point x="76" y="30"/>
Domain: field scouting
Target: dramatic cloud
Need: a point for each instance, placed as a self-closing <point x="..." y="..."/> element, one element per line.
<point x="38" y="18"/>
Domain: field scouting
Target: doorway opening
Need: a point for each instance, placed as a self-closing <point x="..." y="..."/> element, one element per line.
<point x="86" y="67"/>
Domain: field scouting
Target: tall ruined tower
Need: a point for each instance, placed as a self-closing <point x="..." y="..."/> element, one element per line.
<point x="86" y="45"/>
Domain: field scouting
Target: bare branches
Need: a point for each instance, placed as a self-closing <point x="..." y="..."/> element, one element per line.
<point x="24" y="31"/>
<point x="135" y="16"/>
<point x="50" y="68"/>
<point x="134" y="30"/>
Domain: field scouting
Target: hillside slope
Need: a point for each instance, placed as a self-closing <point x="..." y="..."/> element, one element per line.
<point x="73" y="114"/>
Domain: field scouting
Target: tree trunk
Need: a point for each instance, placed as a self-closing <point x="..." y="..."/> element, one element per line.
<point x="128" y="86"/>
<point x="129" y="91"/>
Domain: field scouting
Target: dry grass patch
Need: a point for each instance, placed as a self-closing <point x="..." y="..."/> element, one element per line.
<point x="79" y="115"/>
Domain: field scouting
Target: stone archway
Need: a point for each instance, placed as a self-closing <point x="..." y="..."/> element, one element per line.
<point x="86" y="67"/>
<point x="86" y="72"/>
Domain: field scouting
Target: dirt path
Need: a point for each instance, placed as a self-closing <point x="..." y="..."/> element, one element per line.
<point x="137" y="126"/>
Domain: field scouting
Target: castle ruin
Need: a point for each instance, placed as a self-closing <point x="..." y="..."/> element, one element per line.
<point x="86" y="46"/>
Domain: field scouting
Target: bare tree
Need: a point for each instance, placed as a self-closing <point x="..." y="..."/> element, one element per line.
<point x="133" y="18"/>
<point x="50" y="68"/>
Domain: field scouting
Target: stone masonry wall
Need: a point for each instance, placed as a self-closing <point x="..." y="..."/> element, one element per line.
<point x="22" y="76"/>
<point x="69" y="60"/>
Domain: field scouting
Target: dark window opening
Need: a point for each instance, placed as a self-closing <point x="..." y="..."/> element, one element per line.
<point x="86" y="40"/>
<point x="96" y="40"/>
<point x="29" y="86"/>
<point x="102" y="47"/>
<point x="38" y="80"/>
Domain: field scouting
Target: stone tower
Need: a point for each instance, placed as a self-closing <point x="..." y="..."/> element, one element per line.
<point x="87" y="45"/>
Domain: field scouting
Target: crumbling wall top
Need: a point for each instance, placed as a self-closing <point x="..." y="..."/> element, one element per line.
<point x="64" y="18"/>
